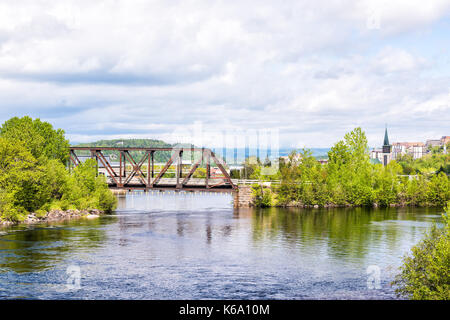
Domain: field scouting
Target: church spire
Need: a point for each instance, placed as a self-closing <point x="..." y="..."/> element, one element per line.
<point x="386" y="139"/>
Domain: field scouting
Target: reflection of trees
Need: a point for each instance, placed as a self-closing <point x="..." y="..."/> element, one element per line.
<point x="40" y="247"/>
<point x="344" y="231"/>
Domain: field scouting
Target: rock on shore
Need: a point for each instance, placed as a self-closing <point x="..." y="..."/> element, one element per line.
<point x="57" y="215"/>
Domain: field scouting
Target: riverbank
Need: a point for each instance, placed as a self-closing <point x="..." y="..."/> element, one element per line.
<point x="258" y="196"/>
<point x="333" y="206"/>
<point x="55" y="216"/>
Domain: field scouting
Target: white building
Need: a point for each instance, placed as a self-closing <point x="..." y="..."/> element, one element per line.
<point x="416" y="149"/>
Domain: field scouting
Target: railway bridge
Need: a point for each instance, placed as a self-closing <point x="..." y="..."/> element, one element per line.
<point x="185" y="169"/>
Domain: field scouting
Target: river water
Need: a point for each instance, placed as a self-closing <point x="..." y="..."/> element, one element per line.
<point x="196" y="246"/>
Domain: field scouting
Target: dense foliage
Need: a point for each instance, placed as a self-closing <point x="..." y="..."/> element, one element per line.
<point x="38" y="137"/>
<point x="425" y="274"/>
<point x="430" y="163"/>
<point x="350" y="179"/>
<point x="33" y="176"/>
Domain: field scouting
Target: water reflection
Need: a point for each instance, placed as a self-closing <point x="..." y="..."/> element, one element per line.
<point x="41" y="246"/>
<point x="346" y="232"/>
<point x="185" y="246"/>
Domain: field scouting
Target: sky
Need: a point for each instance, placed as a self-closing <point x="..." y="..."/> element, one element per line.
<point x="308" y="70"/>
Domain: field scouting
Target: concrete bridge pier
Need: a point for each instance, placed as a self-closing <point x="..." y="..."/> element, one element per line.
<point x="242" y="197"/>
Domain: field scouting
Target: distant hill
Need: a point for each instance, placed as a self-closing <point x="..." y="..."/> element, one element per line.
<point x="136" y="143"/>
<point x="162" y="156"/>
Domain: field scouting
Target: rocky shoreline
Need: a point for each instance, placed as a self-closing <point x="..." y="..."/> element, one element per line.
<point x="56" y="215"/>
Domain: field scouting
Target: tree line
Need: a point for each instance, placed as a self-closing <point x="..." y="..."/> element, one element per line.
<point x="350" y="179"/>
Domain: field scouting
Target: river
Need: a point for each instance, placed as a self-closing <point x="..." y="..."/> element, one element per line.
<point x="196" y="246"/>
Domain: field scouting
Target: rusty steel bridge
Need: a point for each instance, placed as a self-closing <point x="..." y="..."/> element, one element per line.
<point x="131" y="173"/>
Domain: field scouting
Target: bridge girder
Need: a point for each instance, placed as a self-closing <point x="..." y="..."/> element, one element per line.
<point x="137" y="179"/>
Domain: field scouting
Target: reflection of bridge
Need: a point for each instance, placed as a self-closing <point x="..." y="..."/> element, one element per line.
<point x="142" y="174"/>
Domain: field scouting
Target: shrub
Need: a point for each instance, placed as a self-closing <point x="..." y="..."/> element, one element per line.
<point x="262" y="196"/>
<point x="106" y="200"/>
<point x="425" y="274"/>
<point x="439" y="190"/>
<point x="40" y="213"/>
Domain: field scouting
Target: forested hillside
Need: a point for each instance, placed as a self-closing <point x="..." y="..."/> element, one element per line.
<point x="132" y="143"/>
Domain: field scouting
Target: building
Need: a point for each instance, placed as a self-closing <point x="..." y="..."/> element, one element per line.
<point x="433" y="143"/>
<point x="445" y="140"/>
<point x="296" y="158"/>
<point x="438" y="142"/>
<point x="376" y="153"/>
<point x="383" y="154"/>
<point x="416" y="149"/>
<point x="387" y="149"/>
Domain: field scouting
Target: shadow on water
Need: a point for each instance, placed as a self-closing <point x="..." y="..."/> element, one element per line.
<point x="26" y="248"/>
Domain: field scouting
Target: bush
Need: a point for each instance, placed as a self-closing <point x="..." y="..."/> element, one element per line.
<point x="425" y="275"/>
<point x="41" y="213"/>
<point x="106" y="200"/>
<point x="416" y="191"/>
<point x="31" y="184"/>
<point x="439" y="190"/>
<point x="263" y="196"/>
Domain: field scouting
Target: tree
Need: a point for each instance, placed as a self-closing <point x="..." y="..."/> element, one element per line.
<point x="425" y="274"/>
<point x="38" y="137"/>
<point x="33" y="177"/>
<point x="439" y="189"/>
<point x="16" y="172"/>
<point x="387" y="183"/>
<point x="350" y="171"/>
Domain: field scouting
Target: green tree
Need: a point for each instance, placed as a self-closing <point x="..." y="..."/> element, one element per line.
<point x="387" y="183"/>
<point x="439" y="189"/>
<point x="425" y="274"/>
<point x="86" y="190"/>
<point x="33" y="177"/>
<point x="16" y="172"/>
<point x="38" y="137"/>
<point x="350" y="171"/>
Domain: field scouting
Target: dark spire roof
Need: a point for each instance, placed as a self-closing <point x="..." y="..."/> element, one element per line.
<point x="386" y="139"/>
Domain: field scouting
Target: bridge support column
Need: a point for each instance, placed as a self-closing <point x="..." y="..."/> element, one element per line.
<point x="243" y="197"/>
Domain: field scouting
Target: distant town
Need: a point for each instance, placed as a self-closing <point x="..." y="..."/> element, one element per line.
<point x="416" y="150"/>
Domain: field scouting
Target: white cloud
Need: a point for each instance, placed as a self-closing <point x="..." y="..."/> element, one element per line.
<point x="144" y="68"/>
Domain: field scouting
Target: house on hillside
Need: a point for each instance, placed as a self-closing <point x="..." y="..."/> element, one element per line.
<point x="416" y="149"/>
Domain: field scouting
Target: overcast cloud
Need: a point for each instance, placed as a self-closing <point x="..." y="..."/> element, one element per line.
<point x="311" y="69"/>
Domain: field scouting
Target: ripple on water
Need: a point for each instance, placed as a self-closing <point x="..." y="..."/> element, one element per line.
<point x="200" y="248"/>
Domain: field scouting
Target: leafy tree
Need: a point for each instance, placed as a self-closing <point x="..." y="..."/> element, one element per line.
<point x="33" y="177"/>
<point x="425" y="274"/>
<point x="16" y="173"/>
<point x="439" y="189"/>
<point x="387" y="183"/>
<point x="263" y="197"/>
<point x="415" y="191"/>
<point x="38" y="137"/>
<point x="350" y="171"/>
<point x="86" y="190"/>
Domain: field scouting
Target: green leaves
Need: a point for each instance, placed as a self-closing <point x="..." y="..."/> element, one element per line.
<point x="350" y="179"/>
<point x="33" y="177"/>
<point x="425" y="273"/>
<point x="39" y="138"/>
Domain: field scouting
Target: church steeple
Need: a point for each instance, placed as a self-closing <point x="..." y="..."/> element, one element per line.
<point x="387" y="148"/>
<point x="386" y="139"/>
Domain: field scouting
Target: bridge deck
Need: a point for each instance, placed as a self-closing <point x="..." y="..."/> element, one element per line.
<point x="194" y="184"/>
